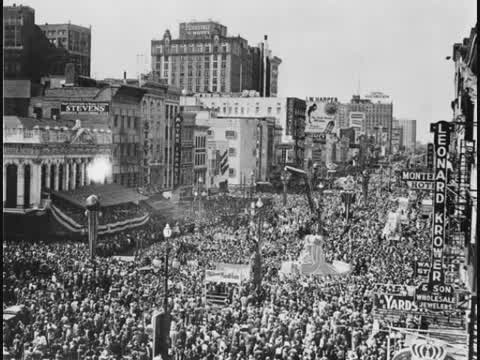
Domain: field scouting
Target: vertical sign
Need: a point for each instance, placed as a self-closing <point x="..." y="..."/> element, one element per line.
<point x="441" y="132"/>
<point x="290" y="118"/>
<point x="177" y="149"/>
<point x="430" y="156"/>
<point x="435" y="295"/>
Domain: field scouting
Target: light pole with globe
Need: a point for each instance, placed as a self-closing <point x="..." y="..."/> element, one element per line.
<point x="285" y="176"/>
<point x="93" y="208"/>
<point x="167" y="233"/>
<point x="255" y="210"/>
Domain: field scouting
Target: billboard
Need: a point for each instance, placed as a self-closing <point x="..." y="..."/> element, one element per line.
<point x="322" y="115"/>
<point x="356" y="119"/>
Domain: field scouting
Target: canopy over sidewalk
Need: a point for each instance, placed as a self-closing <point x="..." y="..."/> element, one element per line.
<point x="108" y="194"/>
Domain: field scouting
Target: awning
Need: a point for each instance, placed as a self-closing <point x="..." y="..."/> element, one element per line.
<point x="109" y="195"/>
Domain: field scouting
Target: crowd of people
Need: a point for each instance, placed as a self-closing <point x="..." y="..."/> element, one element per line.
<point x="102" y="309"/>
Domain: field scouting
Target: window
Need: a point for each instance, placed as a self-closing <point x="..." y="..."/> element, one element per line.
<point x="269" y="110"/>
<point x="129" y="122"/>
<point x="38" y="112"/>
<point x="115" y="121"/>
<point x="232" y="152"/>
<point x="210" y="133"/>
<point x="231" y="172"/>
<point x="230" y="134"/>
<point x="55" y="113"/>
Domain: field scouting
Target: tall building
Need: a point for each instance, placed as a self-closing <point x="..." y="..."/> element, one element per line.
<point x="464" y="158"/>
<point x="409" y="133"/>
<point x="378" y="116"/>
<point x="205" y="59"/>
<point x="28" y="56"/>
<point x="288" y="114"/>
<point x="75" y="39"/>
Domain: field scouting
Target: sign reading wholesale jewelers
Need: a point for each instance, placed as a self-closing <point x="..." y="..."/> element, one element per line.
<point x="435" y="295"/>
<point x="85" y="107"/>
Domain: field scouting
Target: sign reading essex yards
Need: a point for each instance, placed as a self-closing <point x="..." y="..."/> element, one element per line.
<point x="85" y="107"/>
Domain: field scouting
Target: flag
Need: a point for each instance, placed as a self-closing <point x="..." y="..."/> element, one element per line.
<point x="224" y="162"/>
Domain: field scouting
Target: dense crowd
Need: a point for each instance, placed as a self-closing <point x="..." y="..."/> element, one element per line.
<point x="77" y="308"/>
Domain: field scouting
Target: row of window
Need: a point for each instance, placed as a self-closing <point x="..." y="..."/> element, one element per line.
<point x="126" y="149"/>
<point x="200" y="141"/>
<point x="125" y="122"/>
<point x="191" y="59"/>
<point x="127" y="179"/>
<point x="191" y="48"/>
<point x="200" y="159"/>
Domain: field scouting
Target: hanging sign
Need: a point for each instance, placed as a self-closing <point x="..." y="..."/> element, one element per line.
<point x="430" y="156"/>
<point x="177" y="149"/>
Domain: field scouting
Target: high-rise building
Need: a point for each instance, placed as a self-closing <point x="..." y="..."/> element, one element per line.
<point x="75" y="39"/>
<point x="288" y="113"/>
<point x="464" y="158"/>
<point x="205" y="59"/>
<point x="409" y="133"/>
<point x="378" y="116"/>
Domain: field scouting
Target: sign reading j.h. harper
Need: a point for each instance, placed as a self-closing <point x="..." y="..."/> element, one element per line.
<point x="85" y="107"/>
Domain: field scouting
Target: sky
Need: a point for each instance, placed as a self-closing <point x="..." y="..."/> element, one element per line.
<point x="329" y="48"/>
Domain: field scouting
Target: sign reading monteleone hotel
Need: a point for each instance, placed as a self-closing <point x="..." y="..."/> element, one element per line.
<point x="418" y="180"/>
<point x="435" y="295"/>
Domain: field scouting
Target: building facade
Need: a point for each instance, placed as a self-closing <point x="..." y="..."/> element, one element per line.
<point x="200" y="155"/>
<point x="464" y="158"/>
<point x="288" y="115"/>
<point x="243" y="143"/>
<point x="47" y="156"/>
<point x="28" y="54"/>
<point x="378" y="116"/>
<point x="205" y="59"/>
<point x="409" y="133"/>
<point x="75" y="39"/>
<point x="114" y="107"/>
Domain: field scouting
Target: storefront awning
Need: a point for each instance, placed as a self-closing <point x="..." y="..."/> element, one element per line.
<point x="108" y="194"/>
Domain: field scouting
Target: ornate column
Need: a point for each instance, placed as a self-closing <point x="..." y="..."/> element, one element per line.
<point x="56" y="180"/>
<point x="47" y="175"/>
<point x="35" y="184"/>
<point x="4" y="183"/>
<point x="82" y="172"/>
<point x="66" y="176"/>
<point x="87" y="180"/>
<point x="74" y="174"/>
<point x="20" y="184"/>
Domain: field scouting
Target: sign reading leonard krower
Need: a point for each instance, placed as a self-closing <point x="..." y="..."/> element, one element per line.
<point x="85" y="107"/>
<point x="435" y="295"/>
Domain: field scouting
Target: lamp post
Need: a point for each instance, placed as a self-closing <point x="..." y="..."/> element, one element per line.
<point x="257" y="272"/>
<point x="167" y="233"/>
<point x="252" y="181"/>
<point x="93" y="207"/>
<point x="285" y="176"/>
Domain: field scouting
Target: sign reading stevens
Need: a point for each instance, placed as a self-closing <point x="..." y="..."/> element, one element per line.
<point x="85" y="107"/>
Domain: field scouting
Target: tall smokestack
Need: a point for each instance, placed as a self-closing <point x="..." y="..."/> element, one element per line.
<point x="264" y="63"/>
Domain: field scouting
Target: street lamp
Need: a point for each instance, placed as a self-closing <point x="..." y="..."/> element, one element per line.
<point x="93" y="208"/>
<point x="252" y="179"/>
<point x="257" y="266"/>
<point x="285" y="176"/>
<point x="167" y="233"/>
